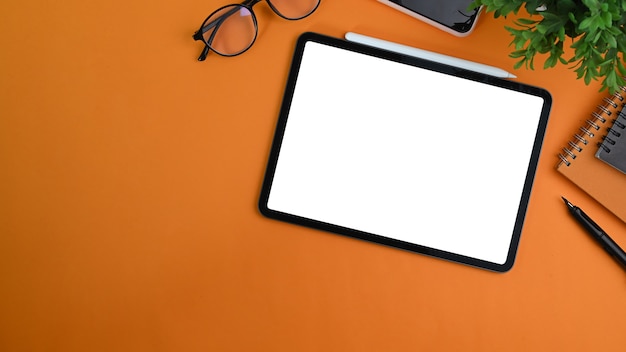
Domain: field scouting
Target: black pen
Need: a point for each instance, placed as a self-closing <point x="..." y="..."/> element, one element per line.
<point x="597" y="233"/>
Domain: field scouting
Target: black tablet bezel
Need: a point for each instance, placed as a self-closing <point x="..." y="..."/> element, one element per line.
<point x="445" y="69"/>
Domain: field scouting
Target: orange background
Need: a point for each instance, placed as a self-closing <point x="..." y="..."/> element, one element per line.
<point x="130" y="172"/>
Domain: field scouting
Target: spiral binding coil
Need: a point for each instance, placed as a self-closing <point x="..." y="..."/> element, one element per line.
<point x="593" y="124"/>
<point x="613" y="133"/>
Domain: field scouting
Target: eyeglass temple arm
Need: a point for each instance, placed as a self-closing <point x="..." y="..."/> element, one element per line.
<point x="205" y="50"/>
<point x="199" y="35"/>
<point x="215" y="23"/>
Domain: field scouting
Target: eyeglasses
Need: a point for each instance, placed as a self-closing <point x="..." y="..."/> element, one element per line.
<point x="232" y="29"/>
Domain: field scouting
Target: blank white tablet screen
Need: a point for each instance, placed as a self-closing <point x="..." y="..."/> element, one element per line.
<point x="405" y="153"/>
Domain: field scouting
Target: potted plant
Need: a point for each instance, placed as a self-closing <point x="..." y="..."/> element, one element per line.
<point x="594" y="29"/>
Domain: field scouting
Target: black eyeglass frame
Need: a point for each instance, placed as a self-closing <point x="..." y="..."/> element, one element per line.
<point x="248" y="4"/>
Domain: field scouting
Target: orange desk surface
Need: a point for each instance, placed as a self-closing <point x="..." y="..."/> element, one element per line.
<point x="130" y="173"/>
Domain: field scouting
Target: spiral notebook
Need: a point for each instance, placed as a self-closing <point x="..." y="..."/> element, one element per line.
<point x="404" y="152"/>
<point x="613" y="147"/>
<point x="578" y="160"/>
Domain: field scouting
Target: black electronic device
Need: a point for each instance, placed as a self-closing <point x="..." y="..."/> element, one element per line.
<point x="453" y="16"/>
<point x="405" y="152"/>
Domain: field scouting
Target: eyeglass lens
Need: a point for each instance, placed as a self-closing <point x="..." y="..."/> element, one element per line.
<point x="293" y="10"/>
<point x="232" y="29"/>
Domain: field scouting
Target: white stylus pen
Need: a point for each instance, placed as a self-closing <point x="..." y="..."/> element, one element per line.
<point x="428" y="55"/>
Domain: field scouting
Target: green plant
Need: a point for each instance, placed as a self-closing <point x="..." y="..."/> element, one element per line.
<point x="595" y="28"/>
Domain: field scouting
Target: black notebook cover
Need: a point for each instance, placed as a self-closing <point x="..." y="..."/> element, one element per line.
<point x="613" y="147"/>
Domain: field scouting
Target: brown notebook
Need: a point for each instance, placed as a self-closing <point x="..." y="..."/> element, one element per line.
<point x="578" y="163"/>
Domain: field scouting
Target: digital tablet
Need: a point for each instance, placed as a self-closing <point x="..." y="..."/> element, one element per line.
<point x="404" y="152"/>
